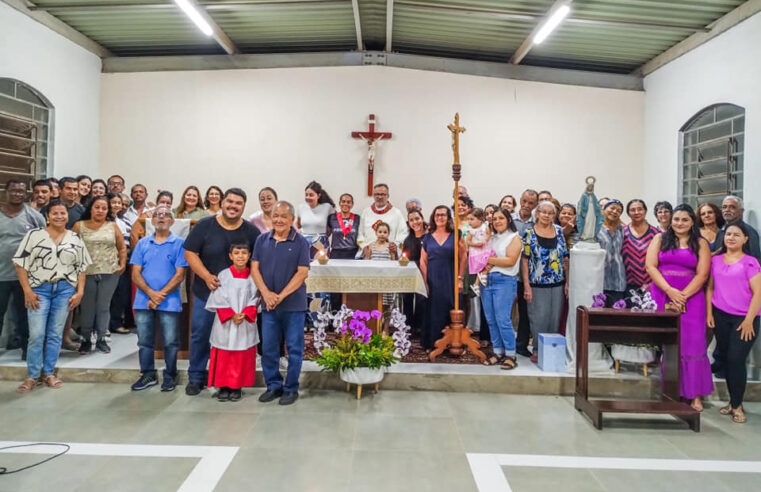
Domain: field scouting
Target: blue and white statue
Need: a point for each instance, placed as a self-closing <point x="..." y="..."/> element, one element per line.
<point x="590" y="218"/>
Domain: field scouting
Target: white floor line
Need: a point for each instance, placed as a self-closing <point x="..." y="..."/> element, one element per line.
<point x="489" y="476"/>
<point x="213" y="460"/>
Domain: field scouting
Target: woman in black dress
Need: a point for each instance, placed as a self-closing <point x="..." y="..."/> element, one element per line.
<point x="437" y="267"/>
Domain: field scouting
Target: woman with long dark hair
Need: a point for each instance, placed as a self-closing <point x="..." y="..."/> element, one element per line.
<point x="437" y="267"/>
<point x="412" y="248"/>
<point x="679" y="263"/>
<point x="105" y="243"/>
<point x="213" y="199"/>
<point x="313" y="216"/>
<point x="498" y="295"/>
<point x="734" y="304"/>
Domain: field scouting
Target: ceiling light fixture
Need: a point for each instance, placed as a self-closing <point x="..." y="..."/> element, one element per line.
<point x="552" y="22"/>
<point x="191" y="11"/>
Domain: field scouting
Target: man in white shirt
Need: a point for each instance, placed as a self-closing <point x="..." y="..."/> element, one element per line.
<point x="139" y="196"/>
<point x="382" y="211"/>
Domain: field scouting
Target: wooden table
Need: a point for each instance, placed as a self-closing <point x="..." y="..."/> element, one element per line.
<point x="631" y="327"/>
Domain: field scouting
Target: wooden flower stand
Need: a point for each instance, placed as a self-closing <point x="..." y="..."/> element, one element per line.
<point x="376" y="388"/>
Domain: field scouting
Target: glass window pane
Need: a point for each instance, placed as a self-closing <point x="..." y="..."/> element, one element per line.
<point x="703" y="119"/>
<point x="14" y="107"/>
<point x="27" y="95"/>
<point x="738" y="125"/>
<point x="725" y="111"/>
<point x="716" y="131"/>
<point x="712" y="150"/>
<point x="7" y="86"/>
<point x="713" y="167"/>
<point x="41" y="114"/>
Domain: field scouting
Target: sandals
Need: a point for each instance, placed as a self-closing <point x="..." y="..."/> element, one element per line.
<point x="738" y="416"/>
<point x="698" y="406"/>
<point x="27" y="386"/>
<point x="726" y="410"/>
<point x="492" y="361"/>
<point x="52" y="382"/>
<point x="508" y="364"/>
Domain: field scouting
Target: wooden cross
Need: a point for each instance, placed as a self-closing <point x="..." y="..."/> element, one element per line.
<point x="371" y="137"/>
<point x="456" y="129"/>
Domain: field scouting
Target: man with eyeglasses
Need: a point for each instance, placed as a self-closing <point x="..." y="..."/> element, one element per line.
<point x="382" y="211"/>
<point x="115" y="184"/>
<point x="158" y="268"/>
<point x="732" y="211"/>
<point x="17" y="218"/>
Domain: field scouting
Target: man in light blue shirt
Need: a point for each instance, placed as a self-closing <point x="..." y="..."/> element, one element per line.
<point x="158" y="268"/>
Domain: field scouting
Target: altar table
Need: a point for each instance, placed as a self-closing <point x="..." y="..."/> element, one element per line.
<point x="363" y="282"/>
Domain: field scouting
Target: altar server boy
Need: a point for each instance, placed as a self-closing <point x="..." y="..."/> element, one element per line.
<point x="232" y="364"/>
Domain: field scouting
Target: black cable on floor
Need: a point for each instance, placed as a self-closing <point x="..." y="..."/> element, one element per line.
<point x="4" y="470"/>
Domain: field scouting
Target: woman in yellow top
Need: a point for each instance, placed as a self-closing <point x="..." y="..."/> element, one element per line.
<point x="105" y="244"/>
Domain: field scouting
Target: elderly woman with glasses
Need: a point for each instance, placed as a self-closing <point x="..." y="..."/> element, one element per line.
<point x="543" y="267"/>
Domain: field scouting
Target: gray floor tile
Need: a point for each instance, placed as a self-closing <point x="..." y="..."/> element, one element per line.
<point x="293" y="430"/>
<point x="422" y="434"/>
<point x="291" y="469"/>
<point x="531" y="479"/>
<point x="413" y="471"/>
<point x="161" y="473"/>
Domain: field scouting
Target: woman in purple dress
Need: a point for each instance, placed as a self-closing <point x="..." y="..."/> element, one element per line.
<point x="679" y="262"/>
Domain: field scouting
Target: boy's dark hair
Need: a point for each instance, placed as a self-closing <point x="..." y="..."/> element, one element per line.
<point x="240" y="246"/>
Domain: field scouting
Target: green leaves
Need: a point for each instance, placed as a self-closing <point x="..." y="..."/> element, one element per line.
<point x="349" y="353"/>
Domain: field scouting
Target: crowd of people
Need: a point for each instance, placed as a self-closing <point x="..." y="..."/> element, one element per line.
<point x="82" y="242"/>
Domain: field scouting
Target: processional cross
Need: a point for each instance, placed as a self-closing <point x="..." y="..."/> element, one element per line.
<point x="456" y="337"/>
<point x="371" y="138"/>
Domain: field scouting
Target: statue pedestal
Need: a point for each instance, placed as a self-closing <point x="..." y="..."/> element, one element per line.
<point x="587" y="268"/>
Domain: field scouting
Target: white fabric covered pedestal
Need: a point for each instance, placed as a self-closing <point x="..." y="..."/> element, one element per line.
<point x="587" y="270"/>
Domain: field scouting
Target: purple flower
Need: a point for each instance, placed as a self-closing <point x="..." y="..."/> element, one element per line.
<point x="375" y="314"/>
<point x="363" y="315"/>
<point x="619" y="304"/>
<point x="598" y="300"/>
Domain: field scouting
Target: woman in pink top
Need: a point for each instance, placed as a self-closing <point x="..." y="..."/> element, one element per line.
<point x="734" y="304"/>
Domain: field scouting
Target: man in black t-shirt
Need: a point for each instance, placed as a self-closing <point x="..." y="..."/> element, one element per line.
<point x="69" y="193"/>
<point x="207" y="251"/>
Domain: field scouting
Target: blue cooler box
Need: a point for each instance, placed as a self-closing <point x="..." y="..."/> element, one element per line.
<point x="551" y="352"/>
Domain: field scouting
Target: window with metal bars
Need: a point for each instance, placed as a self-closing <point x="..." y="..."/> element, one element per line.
<point x="713" y="143"/>
<point x="25" y="136"/>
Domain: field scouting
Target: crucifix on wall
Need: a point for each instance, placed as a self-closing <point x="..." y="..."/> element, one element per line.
<point x="371" y="138"/>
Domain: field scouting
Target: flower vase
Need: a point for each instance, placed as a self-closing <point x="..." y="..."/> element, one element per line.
<point x="360" y="376"/>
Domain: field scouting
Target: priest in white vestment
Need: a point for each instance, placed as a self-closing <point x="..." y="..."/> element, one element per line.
<point x="381" y="211"/>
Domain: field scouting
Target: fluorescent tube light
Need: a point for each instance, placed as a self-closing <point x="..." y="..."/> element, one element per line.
<point x="192" y="12"/>
<point x="555" y="19"/>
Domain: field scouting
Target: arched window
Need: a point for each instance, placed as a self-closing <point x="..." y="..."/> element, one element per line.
<point x="713" y="142"/>
<point x="25" y="132"/>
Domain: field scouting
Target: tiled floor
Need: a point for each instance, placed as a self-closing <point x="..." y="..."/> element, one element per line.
<point x="329" y="441"/>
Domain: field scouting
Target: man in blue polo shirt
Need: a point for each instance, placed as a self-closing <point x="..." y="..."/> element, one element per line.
<point x="158" y="268"/>
<point x="279" y="266"/>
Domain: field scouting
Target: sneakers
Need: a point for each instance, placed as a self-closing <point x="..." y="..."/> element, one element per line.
<point x="223" y="394"/>
<point x="168" y="384"/>
<point x="193" y="388"/>
<point x="102" y="346"/>
<point x="146" y="381"/>
<point x="289" y="398"/>
<point x="85" y="347"/>
<point x="236" y="394"/>
<point x="270" y="395"/>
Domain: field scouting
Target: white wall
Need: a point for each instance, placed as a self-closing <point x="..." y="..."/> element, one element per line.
<point x="285" y="127"/>
<point x="726" y="69"/>
<point x="67" y="75"/>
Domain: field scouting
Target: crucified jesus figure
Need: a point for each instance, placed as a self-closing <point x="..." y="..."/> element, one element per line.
<point x="371" y="147"/>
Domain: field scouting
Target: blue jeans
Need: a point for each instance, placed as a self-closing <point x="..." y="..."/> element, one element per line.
<point x="497" y="298"/>
<point x="275" y="326"/>
<point x="200" y="331"/>
<point x="46" y="325"/>
<point x="146" y="334"/>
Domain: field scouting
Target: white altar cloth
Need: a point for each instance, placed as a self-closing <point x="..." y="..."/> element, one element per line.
<point x="364" y="276"/>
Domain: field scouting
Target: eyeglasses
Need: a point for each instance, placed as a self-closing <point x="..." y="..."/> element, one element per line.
<point x="114" y="183"/>
<point x="162" y="214"/>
